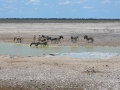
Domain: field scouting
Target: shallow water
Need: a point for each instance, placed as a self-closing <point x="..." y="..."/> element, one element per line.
<point x="91" y="55"/>
<point x="78" y="51"/>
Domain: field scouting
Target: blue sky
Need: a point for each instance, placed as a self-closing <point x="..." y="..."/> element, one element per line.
<point x="60" y="9"/>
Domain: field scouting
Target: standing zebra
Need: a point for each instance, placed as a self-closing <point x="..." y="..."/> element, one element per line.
<point x="74" y="39"/>
<point x="18" y="39"/>
<point x="56" y="39"/>
<point x="88" y="39"/>
<point x="34" y="38"/>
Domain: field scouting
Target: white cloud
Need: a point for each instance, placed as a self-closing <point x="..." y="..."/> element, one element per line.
<point x="106" y="1"/>
<point x="22" y="0"/>
<point x="74" y="10"/>
<point x="11" y="1"/>
<point x="117" y="3"/>
<point x="66" y="2"/>
<point x="57" y="12"/>
<point x="1" y="9"/>
<point x="35" y="8"/>
<point x="46" y="4"/>
<point x="79" y="2"/>
<point x="34" y="2"/>
<point x="71" y="2"/>
<point x="86" y="7"/>
<point x="10" y="7"/>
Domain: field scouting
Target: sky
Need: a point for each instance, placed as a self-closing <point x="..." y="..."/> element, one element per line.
<point x="109" y="9"/>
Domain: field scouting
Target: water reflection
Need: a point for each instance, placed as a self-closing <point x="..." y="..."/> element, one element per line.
<point x="26" y="50"/>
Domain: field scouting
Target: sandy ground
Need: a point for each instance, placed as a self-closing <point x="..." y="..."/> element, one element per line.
<point x="56" y="73"/>
<point x="104" y="34"/>
<point x="60" y="73"/>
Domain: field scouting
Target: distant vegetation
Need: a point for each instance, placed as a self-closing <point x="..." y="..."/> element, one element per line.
<point x="56" y="20"/>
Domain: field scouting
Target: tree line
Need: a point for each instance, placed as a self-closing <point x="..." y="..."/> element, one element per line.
<point x="58" y="19"/>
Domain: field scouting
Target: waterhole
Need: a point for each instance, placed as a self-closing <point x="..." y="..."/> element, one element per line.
<point x="72" y="51"/>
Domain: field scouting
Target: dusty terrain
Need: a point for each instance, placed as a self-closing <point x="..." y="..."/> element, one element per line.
<point x="104" y="34"/>
<point x="56" y="73"/>
<point x="60" y="73"/>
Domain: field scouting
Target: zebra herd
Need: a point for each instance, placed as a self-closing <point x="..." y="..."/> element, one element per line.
<point x="18" y="39"/>
<point x="43" y="40"/>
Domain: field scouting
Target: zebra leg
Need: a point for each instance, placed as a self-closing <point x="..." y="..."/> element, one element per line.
<point x="91" y="41"/>
<point x="31" y="44"/>
<point x="51" y="41"/>
<point x="72" y="41"/>
<point x="57" y="41"/>
<point x="36" y="44"/>
<point x="20" y="40"/>
<point x="17" y="40"/>
<point x="88" y="41"/>
<point x="76" y="41"/>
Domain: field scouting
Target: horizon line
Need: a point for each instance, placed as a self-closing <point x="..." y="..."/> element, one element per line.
<point x="65" y="18"/>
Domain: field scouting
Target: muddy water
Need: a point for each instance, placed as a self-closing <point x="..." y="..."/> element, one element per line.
<point x="26" y="50"/>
